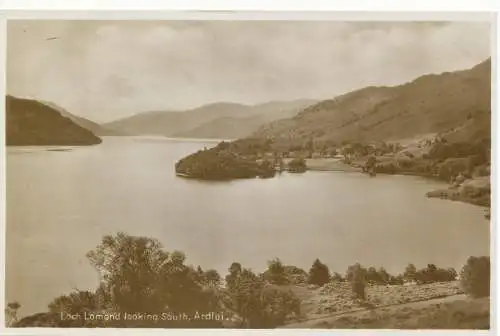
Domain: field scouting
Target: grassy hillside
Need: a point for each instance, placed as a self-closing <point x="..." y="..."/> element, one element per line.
<point x="31" y="123"/>
<point x="458" y="314"/>
<point x="225" y="127"/>
<point x="83" y="122"/>
<point x="219" y="120"/>
<point x="450" y="101"/>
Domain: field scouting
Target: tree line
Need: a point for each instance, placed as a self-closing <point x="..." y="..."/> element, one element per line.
<point x="137" y="275"/>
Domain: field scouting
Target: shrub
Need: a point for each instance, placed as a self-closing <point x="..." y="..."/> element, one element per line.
<point x="297" y="165"/>
<point x="318" y="274"/>
<point x="405" y="163"/>
<point x="76" y="302"/>
<point x="336" y="277"/>
<point x="356" y="274"/>
<point x="11" y="313"/>
<point x="372" y="275"/>
<point x="443" y="150"/>
<point x="396" y="280"/>
<point x="234" y="273"/>
<point x="384" y="277"/>
<point x="212" y="278"/>
<point x="258" y="305"/>
<point x="277" y="304"/>
<point x="410" y="272"/>
<point x="483" y="170"/>
<point x="432" y="274"/>
<point x="476" y="160"/>
<point x="295" y="275"/>
<point x="244" y="291"/>
<point x="475" y="277"/>
<point x="452" y="167"/>
<point x="386" y="168"/>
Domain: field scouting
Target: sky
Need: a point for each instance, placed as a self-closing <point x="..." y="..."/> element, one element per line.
<point x="106" y="70"/>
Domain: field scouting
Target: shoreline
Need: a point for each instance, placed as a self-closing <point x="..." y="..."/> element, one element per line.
<point x="336" y="165"/>
<point x="465" y="192"/>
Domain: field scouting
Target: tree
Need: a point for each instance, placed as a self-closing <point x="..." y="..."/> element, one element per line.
<point x="11" y="312"/>
<point x="295" y="275"/>
<point x="372" y="275"/>
<point x="370" y="163"/>
<point x="475" y="277"/>
<point x="277" y="304"/>
<point x="245" y="295"/>
<point x="396" y="280"/>
<point x="309" y="146"/>
<point x="348" y="153"/>
<point x="384" y="276"/>
<point x="410" y="272"/>
<point x="257" y="304"/>
<point x="137" y="275"/>
<point x="357" y="277"/>
<point x="351" y="269"/>
<point x="428" y="275"/>
<point x="318" y="274"/>
<point x="297" y="165"/>
<point x="276" y="272"/>
<point x="337" y="277"/>
<point x="129" y="268"/>
<point x="234" y="274"/>
<point x="452" y="274"/>
<point x="77" y="302"/>
<point x="212" y="278"/>
<point x="432" y="274"/>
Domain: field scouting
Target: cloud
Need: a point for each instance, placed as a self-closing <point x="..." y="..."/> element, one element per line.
<point x="109" y="69"/>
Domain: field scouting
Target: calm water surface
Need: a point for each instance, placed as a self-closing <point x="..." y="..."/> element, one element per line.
<point x="61" y="203"/>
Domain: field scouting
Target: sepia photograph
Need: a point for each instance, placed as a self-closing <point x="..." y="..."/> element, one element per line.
<point x="248" y="174"/>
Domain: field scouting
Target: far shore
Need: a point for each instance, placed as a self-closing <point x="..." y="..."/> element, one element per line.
<point x="329" y="164"/>
<point x="152" y="136"/>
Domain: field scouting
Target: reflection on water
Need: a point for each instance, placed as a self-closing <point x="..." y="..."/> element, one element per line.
<point x="60" y="204"/>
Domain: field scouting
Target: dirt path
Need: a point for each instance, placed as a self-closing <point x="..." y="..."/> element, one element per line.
<point x="415" y="304"/>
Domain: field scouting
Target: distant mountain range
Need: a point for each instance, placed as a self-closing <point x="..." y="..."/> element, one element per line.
<point x="32" y="123"/>
<point x="219" y="120"/>
<point x="457" y="104"/>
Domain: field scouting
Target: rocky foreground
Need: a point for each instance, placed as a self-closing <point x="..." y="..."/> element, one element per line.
<point x="337" y="297"/>
<point x="453" y="312"/>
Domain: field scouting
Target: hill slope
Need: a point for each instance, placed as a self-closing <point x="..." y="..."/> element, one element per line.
<point x="31" y="123"/>
<point x="219" y="120"/>
<point x="429" y="104"/>
<point x="83" y="122"/>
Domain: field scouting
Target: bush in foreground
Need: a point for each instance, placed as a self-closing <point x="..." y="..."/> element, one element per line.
<point x="356" y="274"/>
<point x="257" y="304"/>
<point x="475" y="277"/>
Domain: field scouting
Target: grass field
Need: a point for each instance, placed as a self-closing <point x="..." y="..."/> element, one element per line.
<point x="457" y="314"/>
<point x="338" y="298"/>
